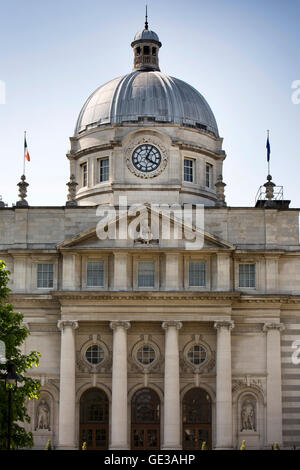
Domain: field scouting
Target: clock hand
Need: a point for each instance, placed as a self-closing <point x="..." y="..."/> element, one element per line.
<point x="148" y="153"/>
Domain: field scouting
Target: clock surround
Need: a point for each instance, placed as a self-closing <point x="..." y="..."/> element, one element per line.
<point x="135" y="148"/>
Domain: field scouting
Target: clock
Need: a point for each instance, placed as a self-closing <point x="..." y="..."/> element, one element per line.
<point x="146" y="158"/>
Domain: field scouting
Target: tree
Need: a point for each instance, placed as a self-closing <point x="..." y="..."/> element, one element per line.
<point x="13" y="334"/>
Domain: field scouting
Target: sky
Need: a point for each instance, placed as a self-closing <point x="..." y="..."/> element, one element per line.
<point x="243" y="56"/>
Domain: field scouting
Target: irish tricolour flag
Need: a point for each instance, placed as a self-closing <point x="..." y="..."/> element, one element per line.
<point x="26" y="153"/>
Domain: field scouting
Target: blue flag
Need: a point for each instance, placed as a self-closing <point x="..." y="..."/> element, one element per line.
<point x="268" y="149"/>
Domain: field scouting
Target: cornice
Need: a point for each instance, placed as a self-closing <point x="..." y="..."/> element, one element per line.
<point x="96" y="148"/>
<point x="198" y="148"/>
<point x="147" y="296"/>
<point x="54" y="298"/>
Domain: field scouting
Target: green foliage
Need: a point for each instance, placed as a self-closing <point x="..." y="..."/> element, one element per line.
<point x="14" y="334"/>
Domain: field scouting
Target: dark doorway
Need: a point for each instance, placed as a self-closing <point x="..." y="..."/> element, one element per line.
<point x="196" y="416"/>
<point x="145" y="420"/>
<point x="94" y="407"/>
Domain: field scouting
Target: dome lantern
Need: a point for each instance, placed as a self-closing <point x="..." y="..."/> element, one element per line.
<point x="146" y="46"/>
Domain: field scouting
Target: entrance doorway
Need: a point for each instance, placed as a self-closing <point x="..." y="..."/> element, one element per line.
<point x="196" y="416"/>
<point x="94" y="408"/>
<point x="145" y="420"/>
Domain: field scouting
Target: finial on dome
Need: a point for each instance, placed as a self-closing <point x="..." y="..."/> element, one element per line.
<point x="146" y="18"/>
<point x="146" y="46"/>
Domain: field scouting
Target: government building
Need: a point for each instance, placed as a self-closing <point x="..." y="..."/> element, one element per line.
<point x="164" y="317"/>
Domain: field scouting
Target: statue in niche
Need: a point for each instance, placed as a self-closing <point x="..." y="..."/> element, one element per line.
<point x="43" y="415"/>
<point x="248" y="416"/>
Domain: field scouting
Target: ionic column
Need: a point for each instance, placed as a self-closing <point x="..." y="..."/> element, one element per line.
<point x="223" y="385"/>
<point x="119" y="426"/>
<point x="274" y="398"/>
<point x="67" y="422"/>
<point x="172" y="386"/>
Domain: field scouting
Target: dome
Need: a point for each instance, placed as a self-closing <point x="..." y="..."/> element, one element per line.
<point x="146" y="35"/>
<point x="150" y="95"/>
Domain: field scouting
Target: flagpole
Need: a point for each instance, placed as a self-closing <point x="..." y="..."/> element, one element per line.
<point x="268" y="135"/>
<point x="24" y="153"/>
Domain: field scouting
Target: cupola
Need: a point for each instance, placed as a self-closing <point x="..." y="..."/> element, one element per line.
<point x="146" y="45"/>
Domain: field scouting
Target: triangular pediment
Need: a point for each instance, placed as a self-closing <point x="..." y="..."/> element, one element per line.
<point x="180" y="233"/>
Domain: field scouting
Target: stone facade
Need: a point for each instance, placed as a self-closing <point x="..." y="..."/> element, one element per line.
<point x="227" y="338"/>
<point x="240" y="328"/>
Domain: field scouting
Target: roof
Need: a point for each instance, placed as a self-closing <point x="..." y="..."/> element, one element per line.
<point x="146" y="94"/>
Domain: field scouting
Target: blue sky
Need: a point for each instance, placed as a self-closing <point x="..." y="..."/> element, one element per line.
<point x="241" y="55"/>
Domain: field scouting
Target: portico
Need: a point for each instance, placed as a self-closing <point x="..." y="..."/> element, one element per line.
<point x="119" y="382"/>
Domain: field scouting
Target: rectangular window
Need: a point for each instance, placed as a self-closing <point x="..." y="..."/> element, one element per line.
<point x="208" y="175"/>
<point x="104" y="169"/>
<point x="95" y="274"/>
<point x="188" y="170"/>
<point x="197" y="274"/>
<point x="45" y="276"/>
<point x="146" y="274"/>
<point x="84" y="174"/>
<point x="246" y="275"/>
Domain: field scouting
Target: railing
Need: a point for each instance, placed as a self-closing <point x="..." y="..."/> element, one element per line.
<point x="277" y="194"/>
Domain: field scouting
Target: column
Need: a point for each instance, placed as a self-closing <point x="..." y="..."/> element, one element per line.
<point x="67" y="422"/>
<point x="223" y="385"/>
<point x="274" y="399"/>
<point x="119" y="425"/>
<point x="172" y="424"/>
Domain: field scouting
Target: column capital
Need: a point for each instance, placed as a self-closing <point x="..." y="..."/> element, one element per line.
<point x="273" y="326"/>
<point x="171" y="323"/>
<point x="120" y="323"/>
<point x="229" y="324"/>
<point x="61" y="324"/>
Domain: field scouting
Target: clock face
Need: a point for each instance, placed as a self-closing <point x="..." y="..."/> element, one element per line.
<point x="146" y="158"/>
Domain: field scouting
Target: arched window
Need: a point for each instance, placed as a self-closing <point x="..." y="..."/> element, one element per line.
<point x="196" y="417"/>
<point x="145" y="406"/>
<point x="145" y="420"/>
<point x="94" y="406"/>
<point x="196" y="406"/>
